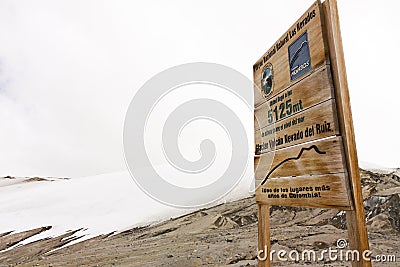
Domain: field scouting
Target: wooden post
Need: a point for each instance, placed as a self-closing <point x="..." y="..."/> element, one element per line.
<point x="358" y="237"/>
<point x="264" y="242"/>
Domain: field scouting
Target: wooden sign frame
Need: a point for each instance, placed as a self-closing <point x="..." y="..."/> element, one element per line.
<point x="357" y="232"/>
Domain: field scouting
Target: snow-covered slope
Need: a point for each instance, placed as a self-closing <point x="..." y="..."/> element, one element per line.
<point x="102" y="204"/>
<point x="368" y="166"/>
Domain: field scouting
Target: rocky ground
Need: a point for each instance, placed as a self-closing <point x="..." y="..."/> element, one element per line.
<point x="225" y="235"/>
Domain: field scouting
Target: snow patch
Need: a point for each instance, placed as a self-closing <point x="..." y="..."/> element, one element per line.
<point x="100" y="204"/>
<point x="376" y="168"/>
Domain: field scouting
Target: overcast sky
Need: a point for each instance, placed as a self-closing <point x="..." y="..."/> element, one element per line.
<point x="68" y="70"/>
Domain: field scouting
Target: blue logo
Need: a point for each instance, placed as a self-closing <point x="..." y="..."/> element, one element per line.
<point x="299" y="57"/>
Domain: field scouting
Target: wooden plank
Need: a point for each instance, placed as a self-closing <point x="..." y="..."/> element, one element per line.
<point x="357" y="231"/>
<point x="309" y="92"/>
<point x="264" y="235"/>
<point x="308" y="26"/>
<point x="322" y="191"/>
<point x="312" y="124"/>
<point x="314" y="158"/>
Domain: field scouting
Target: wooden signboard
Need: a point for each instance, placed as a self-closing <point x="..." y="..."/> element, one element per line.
<point x="305" y="152"/>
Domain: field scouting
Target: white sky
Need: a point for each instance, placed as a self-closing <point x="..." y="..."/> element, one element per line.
<point x="68" y="70"/>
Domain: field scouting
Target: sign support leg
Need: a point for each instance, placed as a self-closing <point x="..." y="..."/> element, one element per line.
<point x="357" y="231"/>
<point x="264" y="242"/>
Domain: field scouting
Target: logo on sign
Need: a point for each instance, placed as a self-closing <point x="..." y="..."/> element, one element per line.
<point x="267" y="80"/>
<point x="299" y="57"/>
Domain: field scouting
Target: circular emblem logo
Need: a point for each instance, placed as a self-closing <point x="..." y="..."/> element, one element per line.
<point x="267" y="80"/>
